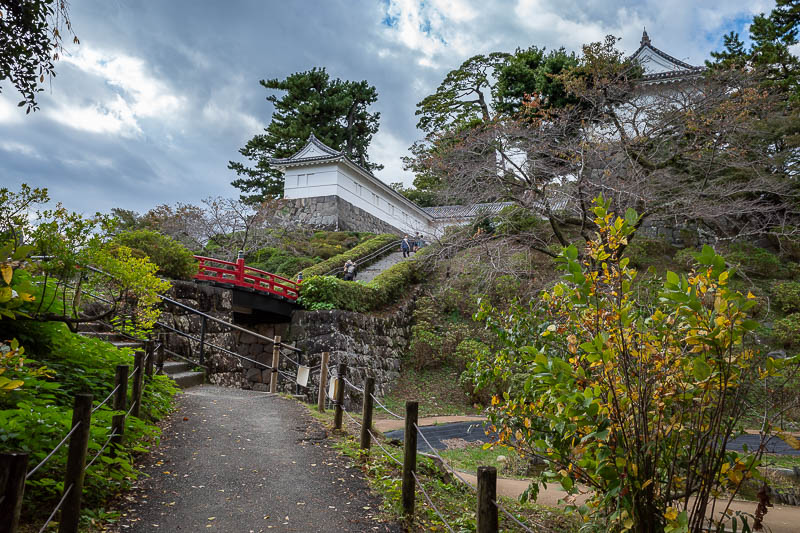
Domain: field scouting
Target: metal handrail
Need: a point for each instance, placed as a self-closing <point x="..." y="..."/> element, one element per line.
<point x="377" y="253"/>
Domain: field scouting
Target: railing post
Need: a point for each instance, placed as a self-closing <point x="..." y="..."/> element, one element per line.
<point x="487" y="494"/>
<point x="160" y="356"/>
<point x="120" y="403"/>
<point x="240" y="266"/>
<point x="76" y="462"/>
<point x="323" y="381"/>
<point x="13" y="467"/>
<point x="409" y="457"/>
<point x="150" y="356"/>
<point x="136" y="397"/>
<point x="276" y="360"/>
<point x="339" y="396"/>
<point x="202" y="341"/>
<point x="366" y="413"/>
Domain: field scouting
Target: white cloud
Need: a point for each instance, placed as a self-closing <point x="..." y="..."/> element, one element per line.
<point x="20" y="148"/>
<point x="113" y="117"/>
<point x="9" y="112"/>
<point x="387" y="149"/>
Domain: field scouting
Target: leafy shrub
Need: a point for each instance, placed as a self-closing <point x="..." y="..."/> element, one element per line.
<point x="787" y="330"/>
<point x="514" y="219"/>
<point x="755" y="261"/>
<point x="685" y="258"/>
<point x="34" y="417"/>
<point x="787" y="295"/>
<point x="613" y="389"/>
<point x="362" y="250"/>
<point x="644" y="252"/>
<point x="173" y="259"/>
<point x="329" y="292"/>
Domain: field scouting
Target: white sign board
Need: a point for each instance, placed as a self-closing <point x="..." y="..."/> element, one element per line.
<point x="302" y="376"/>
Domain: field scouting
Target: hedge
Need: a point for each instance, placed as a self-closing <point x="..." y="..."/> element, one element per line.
<point x="329" y="292"/>
<point x="355" y="253"/>
<point x="173" y="259"/>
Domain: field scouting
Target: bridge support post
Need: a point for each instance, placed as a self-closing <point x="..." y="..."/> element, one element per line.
<point x="276" y="359"/>
<point x="323" y="381"/>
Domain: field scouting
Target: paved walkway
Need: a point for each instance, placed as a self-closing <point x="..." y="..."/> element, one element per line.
<point x="367" y="274"/>
<point x="243" y="461"/>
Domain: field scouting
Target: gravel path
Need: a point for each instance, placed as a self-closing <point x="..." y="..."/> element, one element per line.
<point x="242" y="461"/>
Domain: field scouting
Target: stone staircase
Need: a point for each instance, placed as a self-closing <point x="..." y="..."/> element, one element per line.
<point x="182" y="373"/>
<point x="377" y="267"/>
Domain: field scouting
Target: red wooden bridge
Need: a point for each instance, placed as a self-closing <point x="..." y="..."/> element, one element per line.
<point x="239" y="275"/>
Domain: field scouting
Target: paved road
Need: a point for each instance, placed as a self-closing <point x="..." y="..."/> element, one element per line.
<point x="242" y="461"/>
<point x="474" y="432"/>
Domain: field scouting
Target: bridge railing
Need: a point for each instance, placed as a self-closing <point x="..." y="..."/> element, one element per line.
<point x="241" y="275"/>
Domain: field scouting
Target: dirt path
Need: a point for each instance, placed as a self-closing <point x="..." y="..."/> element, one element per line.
<point x="242" y="461"/>
<point x="779" y="519"/>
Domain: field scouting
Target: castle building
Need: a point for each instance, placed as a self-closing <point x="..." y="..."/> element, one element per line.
<point x="328" y="190"/>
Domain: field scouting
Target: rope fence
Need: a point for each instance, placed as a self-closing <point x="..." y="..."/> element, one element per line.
<point x="430" y="502"/>
<point x="60" y="503"/>
<point x="49" y="455"/>
<point x="110" y="395"/>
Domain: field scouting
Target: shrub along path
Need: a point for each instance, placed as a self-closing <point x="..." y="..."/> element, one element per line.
<point x="234" y="460"/>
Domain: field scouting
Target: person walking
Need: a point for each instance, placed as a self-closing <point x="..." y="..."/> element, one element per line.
<point x="405" y="246"/>
<point x="349" y="270"/>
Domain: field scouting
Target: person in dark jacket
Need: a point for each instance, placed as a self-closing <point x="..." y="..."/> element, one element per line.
<point x="349" y="270"/>
<point x="405" y="246"/>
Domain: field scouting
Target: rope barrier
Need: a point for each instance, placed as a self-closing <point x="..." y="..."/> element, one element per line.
<point x="291" y="360"/>
<point x="445" y="463"/>
<point x="106" y="400"/>
<point x="430" y="502"/>
<point x="102" y="449"/>
<point x="60" y="503"/>
<point x="135" y="370"/>
<point x="49" y="455"/>
<point x="352" y="386"/>
<point x="351" y="417"/>
<point x="133" y="404"/>
<point x="378" y="442"/>
<point x="386" y="408"/>
<point x="512" y="517"/>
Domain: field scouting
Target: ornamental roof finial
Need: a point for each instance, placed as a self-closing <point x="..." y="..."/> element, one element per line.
<point x="645" y="38"/>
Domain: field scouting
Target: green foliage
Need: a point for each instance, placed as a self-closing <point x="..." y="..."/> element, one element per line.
<point x="787" y="330"/>
<point x="32" y="39"/>
<point x="335" y="111"/>
<point x="514" y="219"/>
<point x="787" y="296"/>
<point x="533" y="71"/>
<point x="328" y="292"/>
<point x="434" y="343"/>
<point x="174" y="261"/>
<point x="362" y="250"/>
<point x="613" y="389"/>
<point x="644" y="252"/>
<point x="36" y="416"/>
<point x="755" y="261"/>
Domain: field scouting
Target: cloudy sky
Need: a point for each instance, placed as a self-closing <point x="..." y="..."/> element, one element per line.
<point x="160" y="95"/>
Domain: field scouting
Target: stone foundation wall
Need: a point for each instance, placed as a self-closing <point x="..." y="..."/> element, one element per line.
<point x="223" y="369"/>
<point x="369" y="345"/>
<point x="334" y="213"/>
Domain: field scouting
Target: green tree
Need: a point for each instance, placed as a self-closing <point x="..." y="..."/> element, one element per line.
<point x="31" y="37"/>
<point x="534" y="71"/>
<point x="335" y="111"/>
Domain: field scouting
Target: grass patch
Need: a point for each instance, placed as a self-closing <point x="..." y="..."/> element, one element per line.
<point x="437" y="390"/>
<point x="508" y="462"/>
<point x="452" y="498"/>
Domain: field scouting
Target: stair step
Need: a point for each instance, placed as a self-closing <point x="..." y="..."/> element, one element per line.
<point x="127" y="344"/>
<point x="176" y="367"/>
<point x="185" y="380"/>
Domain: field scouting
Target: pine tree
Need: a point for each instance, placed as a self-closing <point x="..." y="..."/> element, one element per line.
<point x="335" y="111"/>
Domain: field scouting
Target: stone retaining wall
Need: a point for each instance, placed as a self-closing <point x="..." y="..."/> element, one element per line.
<point x="336" y="214"/>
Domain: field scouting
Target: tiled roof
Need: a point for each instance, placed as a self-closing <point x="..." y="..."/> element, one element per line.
<point x="685" y="70"/>
<point x="465" y="211"/>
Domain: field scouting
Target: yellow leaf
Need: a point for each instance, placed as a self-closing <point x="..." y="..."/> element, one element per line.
<point x="671" y="514"/>
<point x="7" y="272"/>
<point x="790" y="439"/>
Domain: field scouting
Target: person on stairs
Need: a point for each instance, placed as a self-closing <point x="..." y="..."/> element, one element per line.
<point x="349" y="270"/>
<point x="405" y="246"/>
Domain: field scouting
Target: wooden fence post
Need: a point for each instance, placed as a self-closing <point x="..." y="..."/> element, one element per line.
<point x="150" y="356"/>
<point x="13" y="468"/>
<point x="136" y="397"/>
<point x="339" y="396"/>
<point x="323" y="381"/>
<point x="366" y="413"/>
<point x="120" y="404"/>
<point x="276" y="360"/>
<point x="76" y="462"/>
<point x="487" y="494"/>
<point x="410" y="457"/>
<point x="160" y="358"/>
